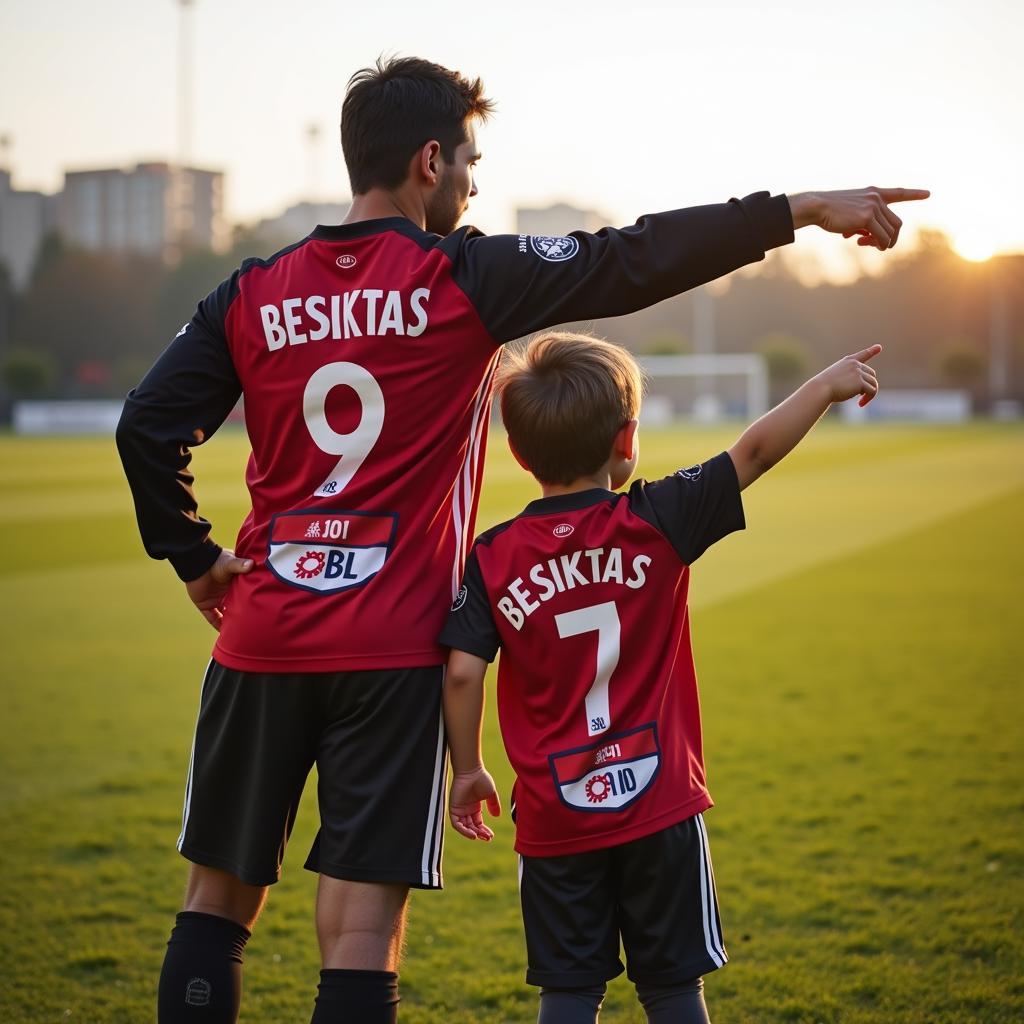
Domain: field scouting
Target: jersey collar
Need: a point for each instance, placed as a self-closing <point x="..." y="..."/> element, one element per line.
<point x="568" y="502"/>
<point x="361" y="228"/>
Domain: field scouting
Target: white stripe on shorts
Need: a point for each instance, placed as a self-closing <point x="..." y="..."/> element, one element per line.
<point x="433" y="839"/>
<point x="712" y="934"/>
<point x="192" y="760"/>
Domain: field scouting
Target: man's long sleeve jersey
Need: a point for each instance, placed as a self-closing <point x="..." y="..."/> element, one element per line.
<point x="365" y="354"/>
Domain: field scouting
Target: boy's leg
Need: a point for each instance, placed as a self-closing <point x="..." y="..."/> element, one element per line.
<point x="668" y="913"/>
<point x="572" y="937"/>
<point x="674" y="1004"/>
<point x="571" y="1005"/>
<point x="360" y="926"/>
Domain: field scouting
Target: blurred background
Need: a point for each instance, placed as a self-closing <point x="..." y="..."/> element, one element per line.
<point x="146" y="149"/>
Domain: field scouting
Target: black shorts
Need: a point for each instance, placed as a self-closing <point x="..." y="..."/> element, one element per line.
<point x="377" y="739"/>
<point x="657" y="893"/>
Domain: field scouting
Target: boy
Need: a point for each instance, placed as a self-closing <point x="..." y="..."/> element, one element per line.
<point x="585" y="594"/>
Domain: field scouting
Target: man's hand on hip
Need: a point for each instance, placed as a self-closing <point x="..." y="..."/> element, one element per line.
<point x="209" y="590"/>
<point x="858" y="211"/>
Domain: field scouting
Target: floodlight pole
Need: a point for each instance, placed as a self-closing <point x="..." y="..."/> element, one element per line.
<point x="184" y="82"/>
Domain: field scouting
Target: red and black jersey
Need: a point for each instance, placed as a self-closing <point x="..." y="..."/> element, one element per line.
<point x="585" y="594"/>
<point x="365" y="354"/>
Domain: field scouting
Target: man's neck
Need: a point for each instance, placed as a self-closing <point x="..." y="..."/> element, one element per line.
<point x="379" y="203"/>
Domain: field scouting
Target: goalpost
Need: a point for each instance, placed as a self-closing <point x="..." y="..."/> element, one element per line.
<point x="683" y="387"/>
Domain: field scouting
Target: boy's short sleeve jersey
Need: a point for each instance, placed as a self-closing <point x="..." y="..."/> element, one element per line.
<point x="586" y="597"/>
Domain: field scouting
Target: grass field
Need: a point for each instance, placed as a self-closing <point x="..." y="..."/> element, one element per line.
<point x="859" y="650"/>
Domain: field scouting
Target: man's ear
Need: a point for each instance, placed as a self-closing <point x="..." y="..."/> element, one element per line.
<point x="516" y="455"/>
<point x="625" y="440"/>
<point x="428" y="162"/>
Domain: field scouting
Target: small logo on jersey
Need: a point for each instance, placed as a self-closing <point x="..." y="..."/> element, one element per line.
<point x="597" y="789"/>
<point x="309" y="565"/>
<point x="693" y="473"/>
<point x="198" y="992"/>
<point x="184" y="328"/>
<point x="460" y="598"/>
<point x="554" y="249"/>
<point x="562" y="530"/>
<point x="346" y="262"/>
<point x="313" y="530"/>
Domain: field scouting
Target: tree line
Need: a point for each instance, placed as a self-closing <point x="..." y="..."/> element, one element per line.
<point x="89" y="324"/>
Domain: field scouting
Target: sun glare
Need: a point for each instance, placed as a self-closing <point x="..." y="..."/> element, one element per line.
<point x="974" y="247"/>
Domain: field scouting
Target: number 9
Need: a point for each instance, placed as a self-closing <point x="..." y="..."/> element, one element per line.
<point x="355" y="446"/>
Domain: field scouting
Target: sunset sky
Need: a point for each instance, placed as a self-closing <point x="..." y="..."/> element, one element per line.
<point x="622" y="107"/>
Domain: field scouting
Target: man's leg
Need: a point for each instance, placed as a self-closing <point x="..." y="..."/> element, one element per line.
<point x="360" y="926"/>
<point x="201" y="978"/>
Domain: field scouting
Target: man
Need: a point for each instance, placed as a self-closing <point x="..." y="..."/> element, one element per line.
<point x="365" y="353"/>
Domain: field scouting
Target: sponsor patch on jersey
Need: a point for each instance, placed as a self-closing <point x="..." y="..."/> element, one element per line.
<point x="460" y="598"/>
<point x="693" y="473"/>
<point x="562" y="530"/>
<point x="608" y="775"/>
<point x="327" y="551"/>
<point x="346" y="262"/>
<point x="554" y="248"/>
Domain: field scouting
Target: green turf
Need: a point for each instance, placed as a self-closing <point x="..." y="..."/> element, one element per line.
<point x="858" y="649"/>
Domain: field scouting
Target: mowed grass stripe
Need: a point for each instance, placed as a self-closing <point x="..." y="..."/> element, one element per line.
<point x="863" y="741"/>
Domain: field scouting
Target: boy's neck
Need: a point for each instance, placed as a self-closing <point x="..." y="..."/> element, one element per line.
<point x="584" y="483"/>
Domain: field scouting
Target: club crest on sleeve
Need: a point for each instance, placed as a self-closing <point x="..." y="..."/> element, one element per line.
<point x="460" y="598"/>
<point x="693" y="473"/>
<point x="554" y="249"/>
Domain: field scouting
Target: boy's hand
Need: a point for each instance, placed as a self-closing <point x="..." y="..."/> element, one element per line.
<point x="852" y="376"/>
<point x="208" y="592"/>
<point x="469" y="791"/>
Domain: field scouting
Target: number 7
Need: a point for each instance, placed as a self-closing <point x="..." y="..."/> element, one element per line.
<point x="604" y="619"/>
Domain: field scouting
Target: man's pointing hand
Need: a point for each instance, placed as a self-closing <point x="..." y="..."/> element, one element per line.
<point x="859" y="211"/>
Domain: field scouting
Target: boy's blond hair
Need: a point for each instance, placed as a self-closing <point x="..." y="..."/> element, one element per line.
<point x="564" y="397"/>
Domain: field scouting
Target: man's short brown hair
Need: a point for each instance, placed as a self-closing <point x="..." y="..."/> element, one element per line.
<point x="564" y="397"/>
<point x="399" y="105"/>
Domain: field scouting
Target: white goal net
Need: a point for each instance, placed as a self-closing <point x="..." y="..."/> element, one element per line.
<point x="705" y="388"/>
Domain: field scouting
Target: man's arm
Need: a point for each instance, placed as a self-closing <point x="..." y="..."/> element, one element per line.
<point x="183" y="399"/>
<point x="520" y="284"/>
<point x="472" y="785"/>
<point x="778" y="432"/>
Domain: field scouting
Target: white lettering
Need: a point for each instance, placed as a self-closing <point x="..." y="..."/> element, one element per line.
<point x="511" y="612"/>
<point x="522" y="596"/>
<point x="318" y="314"/>
<point x="351" y="327"/>
<point x="613" y="569"/>
<point x="272" y="329"/>
<point x="291" y="321"/>
<point x="594" y="554"/>
<point x="371" y="295"/>
<point x="418" y="300"/>
<point x="639" y="577"/>
<point x="570" y="572"/>
<point x="391" y="318"/>
<point x="538" y="577"/>
<point x="336" y="317"/>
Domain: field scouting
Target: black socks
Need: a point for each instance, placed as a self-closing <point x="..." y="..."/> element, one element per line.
<point x="356" y="997"/>
<point x="201" y="980"/>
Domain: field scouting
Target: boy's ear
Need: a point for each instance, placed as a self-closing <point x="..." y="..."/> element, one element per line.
<point x="516" y="455"/>
<point x="625" y="440"/>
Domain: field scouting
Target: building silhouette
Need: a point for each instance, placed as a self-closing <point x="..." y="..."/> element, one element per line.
<point x="158" y="209"/>
<point x="25" y="220"/>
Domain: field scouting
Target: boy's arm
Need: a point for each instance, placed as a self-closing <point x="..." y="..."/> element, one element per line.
<point x="463" y="722"/>
<point x="778" y="432"/>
